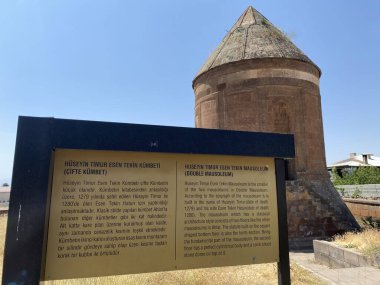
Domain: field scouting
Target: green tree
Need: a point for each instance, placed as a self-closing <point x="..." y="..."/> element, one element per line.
<point x="361" y="175"/>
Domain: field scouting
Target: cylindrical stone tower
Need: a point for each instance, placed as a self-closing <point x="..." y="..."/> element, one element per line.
<point x="258" y="80"/>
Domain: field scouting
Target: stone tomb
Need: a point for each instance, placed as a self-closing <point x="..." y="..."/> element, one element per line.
<point x="258" y="80"/>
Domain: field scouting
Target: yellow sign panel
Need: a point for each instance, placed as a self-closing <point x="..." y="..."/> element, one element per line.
<point x="114" y="212"/>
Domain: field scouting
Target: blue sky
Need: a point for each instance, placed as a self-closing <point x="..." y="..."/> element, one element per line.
<point x="134" y="61"/>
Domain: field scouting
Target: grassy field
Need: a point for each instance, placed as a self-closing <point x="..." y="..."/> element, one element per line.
<point x="249" y="274"/>
<point x="3" y="224"/>
<point x="366" y="242"/>
<point x="237" y="275"/>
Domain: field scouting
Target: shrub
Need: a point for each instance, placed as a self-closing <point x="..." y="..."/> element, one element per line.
<point x="360" y="176"/>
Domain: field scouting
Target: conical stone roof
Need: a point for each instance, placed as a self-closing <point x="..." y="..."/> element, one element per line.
<point x="253" y="37"/>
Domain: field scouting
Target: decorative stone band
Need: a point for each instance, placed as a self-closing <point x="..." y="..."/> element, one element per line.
<point x="269" y="73"/>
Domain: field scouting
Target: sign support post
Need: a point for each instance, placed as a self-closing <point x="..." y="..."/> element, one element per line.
<point x="283" y="267"/>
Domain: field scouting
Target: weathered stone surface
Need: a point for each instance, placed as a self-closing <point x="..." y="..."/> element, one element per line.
<point x="336" y="257"/>
<point x="269" y="85"/>
<point x="363" y="207"/>
<point x="363" y="260"/>
<point x="336" y="253"/>
<point x="321" y="247"/>
<point x="253" y="36"/>
<point x="352" y="258"/>
<point x="322" y="258"/>
<point x="334" y="263"/>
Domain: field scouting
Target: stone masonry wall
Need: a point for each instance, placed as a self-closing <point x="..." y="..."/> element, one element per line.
<point x="281" y="96"/>
<point x="363" y="208"/>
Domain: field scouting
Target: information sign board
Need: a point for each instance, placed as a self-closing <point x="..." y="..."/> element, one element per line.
<point x="94" y="199"/>
<point x="141" y="212"/>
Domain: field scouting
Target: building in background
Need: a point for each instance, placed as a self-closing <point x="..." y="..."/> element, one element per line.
<point x="353" y="162"/>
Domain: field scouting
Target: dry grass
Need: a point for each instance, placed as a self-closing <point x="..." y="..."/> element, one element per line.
<point x="234" y="275"/>
<point x="3" y="226"/>
<point x="258" y="274"/>
<point x="366" y="242"/>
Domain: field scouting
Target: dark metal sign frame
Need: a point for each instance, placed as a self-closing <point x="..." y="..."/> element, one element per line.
<point x="38" y="137"/>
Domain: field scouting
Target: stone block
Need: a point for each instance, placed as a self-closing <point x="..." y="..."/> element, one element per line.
<point x="373" y="208"/>
<point x="372" y="213"/>
<point x="351" y="258"/>
<point x="336" y="252"/>
<point x="321" y="247"/>
<point x="364" y="213"/>
<point x="363" y="260"/>
<point x="375" y="261"/>
<point x="322" y="259"/>
<point x="336" y="263"/>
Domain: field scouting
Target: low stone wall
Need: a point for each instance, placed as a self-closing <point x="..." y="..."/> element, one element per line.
<point x="4" y="198"/>
<point x="363" y="208"/>
<point x="365" y="190"/>
<point x="333" y="256"/>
